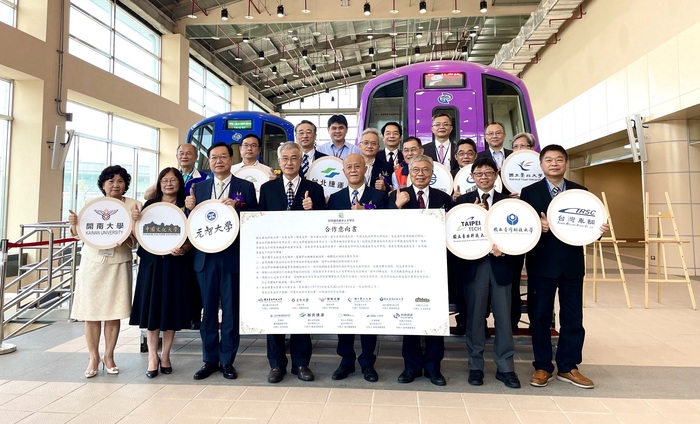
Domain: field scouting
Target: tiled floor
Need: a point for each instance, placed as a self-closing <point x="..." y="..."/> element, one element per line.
<point x="645" y="364"/>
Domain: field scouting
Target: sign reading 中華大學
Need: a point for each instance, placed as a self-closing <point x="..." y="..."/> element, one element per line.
<point x="104" y="223"/>
<point x="344" y="272"/>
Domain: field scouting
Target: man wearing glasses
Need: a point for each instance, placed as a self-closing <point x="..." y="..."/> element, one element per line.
<point x="442" y="149"/>
<point x="487" y="283"/>
<point x="495" y="134"/>
<point x="376" y="173"/>
<point x="412" y="146"/>
<point x="305" y="135"/>
<point x="291" y="192"/>
<point x="219" y="273"/>
<point x="421" y="196"/>
<point x="250" y="151"/>
<point x="337" y="130"/>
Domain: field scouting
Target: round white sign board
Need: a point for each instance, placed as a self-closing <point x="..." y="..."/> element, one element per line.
<point x="520" y="169"/>
<point x="575" y="217"/>
<point x="513" y="226"/>
<point x="255" y="174"/>
<point x="463" y="179"/>
<point x="441" y="179"/>
<point x="328" y="172"/>
<point x="104" y="223"/>
<point x="161" y="228"/>
<point x="212" y="226"/>
<point x="465" y="231"/>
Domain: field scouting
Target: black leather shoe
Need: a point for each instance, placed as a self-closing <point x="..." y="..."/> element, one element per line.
<point x="407" y="376"/>
<point x="342" y="372"/>
<point x="166" y="370"/>
<point x="510" y="379"/>
<point x="436" y="378"/>
<point x="207" y="369"/>
<point x="276" y="375"/>
<point x="229" y="372"/>
<point x="370" y="374"/>
<point x="458" y="330"/>
<point x="303" y="373"/>
<point x="476" y="378"/>
<point x="152" y="373"/>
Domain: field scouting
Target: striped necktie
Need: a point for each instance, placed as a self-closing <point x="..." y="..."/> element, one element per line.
<point x="304" y="165"/>
<point x="555" y="190"/>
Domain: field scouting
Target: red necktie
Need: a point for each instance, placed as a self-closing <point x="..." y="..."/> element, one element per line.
<point x="421" y="202"/>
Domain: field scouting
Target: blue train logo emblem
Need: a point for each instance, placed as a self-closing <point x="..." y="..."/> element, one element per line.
<point x="445" y="98"/>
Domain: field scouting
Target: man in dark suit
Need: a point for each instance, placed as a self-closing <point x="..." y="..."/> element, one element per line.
<point x="441" y="149"/>
<point x="358" y="195"/>
<point x="421" y="196"/>
<point x="491" y="274"/>
<point x="291" y="192"/>
<point x="218" y="273"/>
<point x="495" y="135"/>
<point x="412" y="146"/>
<point x="552" y="266"/>
<point x="391" y="155"/>
<point x="305" y="134"/>
<point x="376" y="174"/>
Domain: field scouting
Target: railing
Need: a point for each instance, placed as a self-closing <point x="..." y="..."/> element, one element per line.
<point x="43" y="285"/>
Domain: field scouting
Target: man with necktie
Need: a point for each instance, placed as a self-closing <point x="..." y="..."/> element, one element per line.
<point x="442" y="149"/>
<point x="358" y="195"/>
<point x="391" y="155"/>
<point x="291" y="192"/>
<point x="219" y="273"/>
<point x="495" y="135"/>
<point x="376" y="174"/>
<point x="305" y="135"/>
<point x="421" y="196"/>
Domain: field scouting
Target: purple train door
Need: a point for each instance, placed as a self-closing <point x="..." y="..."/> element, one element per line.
<point x="461" y="104"/>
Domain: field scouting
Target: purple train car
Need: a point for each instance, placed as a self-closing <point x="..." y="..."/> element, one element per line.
<point x="471" y="93"/>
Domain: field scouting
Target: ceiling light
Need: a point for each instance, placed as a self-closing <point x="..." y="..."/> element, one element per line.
<point x="215" y="37"/>
<point x="333" y="98"/>
<point x="472" y="33"/>
<point x="261" y="55"/>
<point x="305" y="9"/>
<point x="301" y="100"/>
<point x="273" y="70"/>
<point x="416" y="51"/>
<point x="284" y="81"/>
<point x="328" y="90"/>
<point x="465" y="50"/>
<point x="280" y="11"/>
<point x="295" y="35"/>
<point x="371" y="52"/>
<point x="303" y="84"/>
<point x="367" y="9"/>
<point x="394" y="54"/>
<point x="267" y="85"/>
<point x="238" y="58"/>
<point x="374" y="72"/>
<point x="483" y="7"/>
<point x="419" y="35"/>
<point x="313" y="68"/>
<point x="370" y="36"/>
<point x="456" y="10"/>
<point x="192" y="16"/>
<point x="283" y="59"/>
<point x="374" y="66"/>
<point x="422" y="7"/>
<point x="321" y="80"/>
<point x="224" y="14"/>
<point x="305" y="54"/>
<point x="393" y="8"/>
<point x="256" y="74"/>
<point x="246" y="39"/>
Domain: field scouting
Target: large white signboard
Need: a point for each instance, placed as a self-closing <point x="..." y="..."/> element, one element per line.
<point x="328" y="171"/>
<point x="344" y="272"/>
<point x="521" y="169"/>
<point x="104" y="223"/>
<point x="161" y="228"/>
<point x="575" y="217"/>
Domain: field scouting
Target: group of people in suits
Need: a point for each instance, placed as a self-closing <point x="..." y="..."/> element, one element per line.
<point x="398" y="177"/>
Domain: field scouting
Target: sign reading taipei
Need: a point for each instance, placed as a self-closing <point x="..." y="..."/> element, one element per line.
<point x="104" y="223"/>
<point x="465" y="231"/>
<point x="328" y="172"/>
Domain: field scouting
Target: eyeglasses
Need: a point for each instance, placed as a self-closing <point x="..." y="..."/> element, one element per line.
<point x="168" y="181"/>
<point x="426" y="171"/>
<point x="467" y="153"/>
<point x="484" y="174"/>
<point x="370" y="143"/>
<point x="441" y="125"/>
<point x="285" y="159"/>
<point x="249" y="146"/>
<point x="307" y="132"/>
<point x="410" y="149"/>
<point x="497" y="133"/>
<point x="218" y="157"/>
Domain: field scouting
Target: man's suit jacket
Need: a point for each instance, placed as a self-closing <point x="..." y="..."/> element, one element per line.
<point x="202" y="192"/>
<point x="317" y="155"/>
<point x="377" y="169"/>
<point x="436" y="199"/>
<point x="340" y="200"/>
<point x="388" y="167"/>
<point x="430" y="149"/>
<point x="197" y="177"/>
<point x="500" y="265"/>
<point x="551" y="257"/>
<point x="273" y="195"/>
